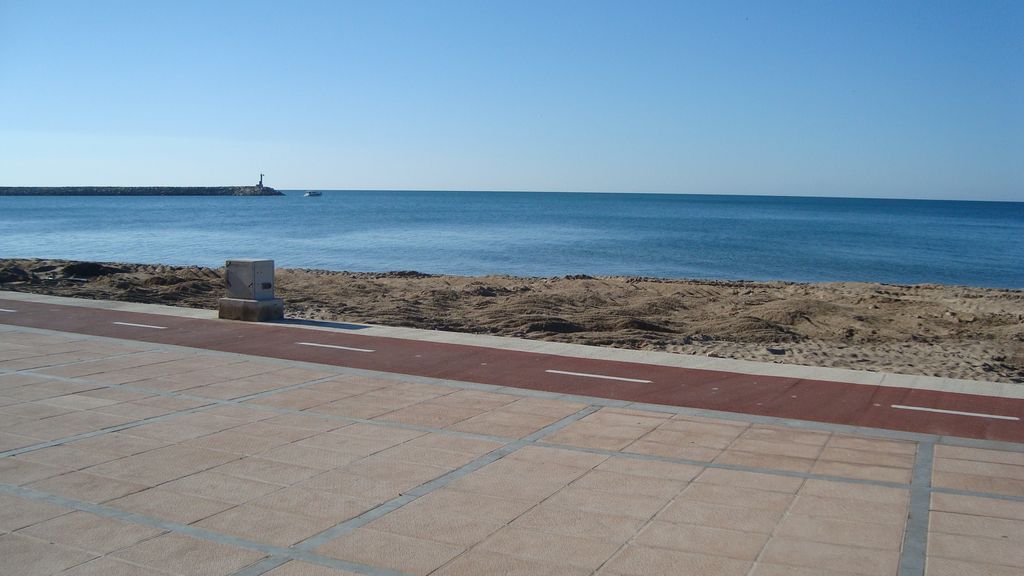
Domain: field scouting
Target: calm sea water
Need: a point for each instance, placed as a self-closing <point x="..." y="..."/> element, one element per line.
<point x="540" y="234"/>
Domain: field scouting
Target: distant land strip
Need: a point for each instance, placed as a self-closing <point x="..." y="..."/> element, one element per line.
<point x="139" y="191"/>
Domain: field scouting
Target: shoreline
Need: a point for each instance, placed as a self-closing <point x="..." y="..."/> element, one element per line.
<point x="934" y="330"/>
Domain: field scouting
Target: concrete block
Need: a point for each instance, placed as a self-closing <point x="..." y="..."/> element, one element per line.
<point x="251" y="310"/>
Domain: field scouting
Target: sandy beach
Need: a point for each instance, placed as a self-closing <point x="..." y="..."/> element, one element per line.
<point x="950" y="331"/>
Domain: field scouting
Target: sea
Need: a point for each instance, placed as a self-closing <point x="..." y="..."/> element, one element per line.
<point x="798" y="239"/>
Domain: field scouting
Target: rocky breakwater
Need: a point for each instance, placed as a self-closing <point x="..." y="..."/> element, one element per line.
<point x="139" y="191"/>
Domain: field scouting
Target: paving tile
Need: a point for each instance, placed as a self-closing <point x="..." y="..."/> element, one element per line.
<point x="479" y="561"/>
<point x="702" y="540"/>
<point x="978" y="506"/>
<point x="651" y="468"/>
<point x="832" y="531"/>
<point x="266" y="429"/>
<point x="299" y="399"/>
<point x="502" y="510"/>
<point x="541" y="471"/>
<point x="504" y="423"/>
<point x="314" y="504"/>
<point x="351" y="408"/>
<point x="307" y="422"/>
<point x="338" y="441"/>
<point x="759" y="481"/>
<point x="108" y="566"/>
<point x="819" y="555"/>
<point x="161" y="465"/>
<point x="767" y="569"/>
<point x="24" y="556"/>
<point x="975" y="549"/>
<point x="643" y="561"/>
<point x="90" y="532"/>
<point x="872" y="444"/>
<point x="167" y="505"/>
<point x="710" y="426"/>
<point x="678" y="451"/>
<point x="505" y="486"/>
<point x="236" y="442"/>
<point x="871" y="457"/>
<point x="735" y="496"/>
<point x="19" y="472"/>
<point x="186" y="556"/>
<point x="220" y="487"/>
<point x="718" y="516"/>
<point x="438" y="524"/>
<point x="630" y="484"/>
<point x="297" y="568"/>
<point x="979" y="454"/>
<point x="77" y="402"/>
<point x="382" y="468"/>
<point x="16" y="513"/>
<point x="631" y="505"/>
<point x="545" y="455"/>
<point x="978" y="483"/>
<point x="776" y="448"/>
<point x="996" y="469"/>
<point x="431" y="415"/>
<point x="264" y="525"/>
<point x="760" y="460"/>
<point x="783" y="434"/>
<point x="868" y="493"/>
<point x="584" y="553"/>
<point x="429" y="456"/>
<point x="862" y="471"/>
<point x="578" y="523"/>
<point x="353" y="486"/>
<point x="984" y="526"/>
<point x="410" y="555"/>
<point x="950" y="567"/>
<point x="65" y="457"/>
<point x="269" y="471"/>
<point x="241" y="412"/>
<point x="309" y="456"/>
<point x="88" y="487"/>
<point x="852" y="510"/>
<point x="380" y="432"/>
<point x="480" y="447"/>
<point x="118" y="443"/>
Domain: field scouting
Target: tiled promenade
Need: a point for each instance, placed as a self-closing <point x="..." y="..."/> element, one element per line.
<point x="123" y="457"/>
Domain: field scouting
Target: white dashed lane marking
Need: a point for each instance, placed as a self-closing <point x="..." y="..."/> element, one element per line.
<point x="585" y="375"/>
<point x="140" y="325"/>
<point x="7" y="310"/>
<point x="334" y="347"/>
<point x="954" y="412"/>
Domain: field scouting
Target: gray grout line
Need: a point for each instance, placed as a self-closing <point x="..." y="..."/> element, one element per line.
<point x="439" y="482"/>
<point x="915" y="537"/>
<point x="193" y="531"/>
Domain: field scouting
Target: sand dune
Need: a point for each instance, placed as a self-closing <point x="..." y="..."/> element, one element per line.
<point x="953" y="331"/>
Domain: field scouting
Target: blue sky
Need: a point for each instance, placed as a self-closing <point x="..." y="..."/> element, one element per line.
<point x="852" y="98"/>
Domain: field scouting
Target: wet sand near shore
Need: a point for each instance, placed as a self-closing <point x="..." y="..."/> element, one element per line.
<point x="949" y="331"/>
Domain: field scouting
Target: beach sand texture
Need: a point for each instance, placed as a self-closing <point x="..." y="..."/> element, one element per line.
<point x="949" y="331"/>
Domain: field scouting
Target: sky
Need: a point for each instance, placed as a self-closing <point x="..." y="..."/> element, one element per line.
<point x="894" y="99"/>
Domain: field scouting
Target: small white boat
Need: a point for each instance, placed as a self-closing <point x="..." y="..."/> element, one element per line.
<point x="310" y="193"/>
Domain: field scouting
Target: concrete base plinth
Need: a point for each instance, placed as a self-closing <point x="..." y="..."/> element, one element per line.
<point x="251" y="310"/>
